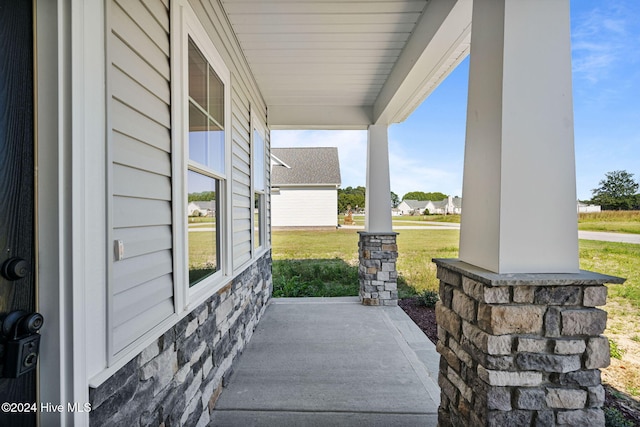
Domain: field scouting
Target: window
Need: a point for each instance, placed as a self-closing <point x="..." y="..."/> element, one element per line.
<point x="205" y="167"/>
<point x="258" y="189"/>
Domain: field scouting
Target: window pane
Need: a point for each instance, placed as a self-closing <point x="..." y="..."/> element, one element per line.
<point x="258" y="161"/>
<point x="216" y="97"/>
<point x="215" y="144"/>
<point x="204" y="214"/>
<point x="197" y="135"/>
<point x="197" y="75"/>
<point x="206" y="113"/>
<point x="257" y="220"/>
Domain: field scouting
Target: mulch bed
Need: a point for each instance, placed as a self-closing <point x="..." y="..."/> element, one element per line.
<point x="425" y="318"/>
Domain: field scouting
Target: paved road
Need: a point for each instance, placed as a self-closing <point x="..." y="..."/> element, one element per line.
<point x="585" y="235"/>
<point x="609" y="237"/>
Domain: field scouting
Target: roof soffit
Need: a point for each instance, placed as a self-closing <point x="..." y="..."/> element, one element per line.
<point x="325" y="64"/>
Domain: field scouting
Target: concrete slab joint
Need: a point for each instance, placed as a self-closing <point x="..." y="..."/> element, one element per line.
<point x="529" y="346"/>
<point x="378" y="277"/>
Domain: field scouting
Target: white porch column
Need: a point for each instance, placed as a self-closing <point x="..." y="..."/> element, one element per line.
<point x="519" y="213"/>
<point x="378" y="192"/>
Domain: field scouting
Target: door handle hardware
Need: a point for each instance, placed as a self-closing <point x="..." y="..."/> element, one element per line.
<point x="14" y="268"/>
<point x="21" y="342"/>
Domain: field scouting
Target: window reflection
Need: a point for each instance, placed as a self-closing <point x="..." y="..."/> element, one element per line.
<point x="257" y="220"/>
<point x="203" y="213"/>
<point x="206" y="113"/>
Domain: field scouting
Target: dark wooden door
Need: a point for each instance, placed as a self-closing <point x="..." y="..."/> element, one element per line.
<point x="17" y="187"/>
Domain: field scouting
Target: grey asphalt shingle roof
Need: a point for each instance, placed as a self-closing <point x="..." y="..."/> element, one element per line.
<point x="310" y="165"/>
<point x="416" y="204"/>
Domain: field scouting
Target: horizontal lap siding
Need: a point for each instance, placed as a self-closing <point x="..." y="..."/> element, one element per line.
<point x="268" y="186"/>
<point x="245" y="100"/>
<point x="241" y="179"/>
<point x="305" y="206"/>
<point x="142" y="283"/>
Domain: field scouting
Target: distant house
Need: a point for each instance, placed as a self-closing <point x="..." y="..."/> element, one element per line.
<point x="304" y="187"/>
<point x="409" y="207"/>
<point x="585" y="208"/>
<point x="201" y="208"/>
<point x="450" y="205"/>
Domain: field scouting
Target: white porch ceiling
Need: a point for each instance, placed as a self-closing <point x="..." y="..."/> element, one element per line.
<point x="346" y="63"/>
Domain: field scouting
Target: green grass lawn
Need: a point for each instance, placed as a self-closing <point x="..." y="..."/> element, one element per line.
<point x="416" y="248"/>
<point x="616" y="259"/>
<point x="614" y="221"/>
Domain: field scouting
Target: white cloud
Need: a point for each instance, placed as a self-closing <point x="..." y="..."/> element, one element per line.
<point x="411" y="172"/>
<point x="601" y="40"/>
<point x="352" y="149"/>
<point x="408" y="171"/>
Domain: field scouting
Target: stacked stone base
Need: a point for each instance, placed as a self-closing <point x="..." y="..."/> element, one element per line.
<point x="177" y="379"/>
<point x="378" y="253"/>
<point x="520" y="349"/>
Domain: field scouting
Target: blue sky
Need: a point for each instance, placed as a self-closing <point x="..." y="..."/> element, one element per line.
<point x="426" y="151"/>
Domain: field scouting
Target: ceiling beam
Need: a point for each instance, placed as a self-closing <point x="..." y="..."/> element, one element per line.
<point x="438" y="44"/>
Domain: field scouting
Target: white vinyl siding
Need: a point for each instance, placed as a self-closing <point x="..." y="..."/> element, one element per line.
<point x="241" y="175"/>
<point x="267" y="202"/>
<point x="245" y="98"/>
<point x="141" y="289"/>
<point x="305" y="207"/>
<point x="141" y="293"/>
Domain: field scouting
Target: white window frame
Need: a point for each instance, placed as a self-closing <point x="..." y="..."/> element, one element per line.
<point x="258" y="126"/>
<point x="186" y="26"/>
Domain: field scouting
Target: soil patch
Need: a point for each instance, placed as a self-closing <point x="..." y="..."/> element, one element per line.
<point x="422" y="316"/>
<point x="425" y="318"/>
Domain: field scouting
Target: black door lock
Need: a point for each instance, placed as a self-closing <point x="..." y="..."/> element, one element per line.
<point x="21" y="342"/>
<point x="14" y="268"/>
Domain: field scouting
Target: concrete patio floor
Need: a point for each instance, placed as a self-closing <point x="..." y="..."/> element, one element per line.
<point x="332" y="362"/>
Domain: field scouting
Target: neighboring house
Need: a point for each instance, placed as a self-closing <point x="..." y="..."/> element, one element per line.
<point x="453" y="205"/>
<point x="304" y="187"/>
<point x="201" y="208"/>
<point x="585" y="208"/>
<point x="409" y="207"/>
<point x="450" y="205"/>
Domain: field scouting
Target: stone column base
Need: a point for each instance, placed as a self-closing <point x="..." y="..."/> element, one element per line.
<point x="520" y="349"/>
<point x="378" y="253"/>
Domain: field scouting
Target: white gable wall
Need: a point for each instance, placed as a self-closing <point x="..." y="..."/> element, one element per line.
<point x="305" y="207"/>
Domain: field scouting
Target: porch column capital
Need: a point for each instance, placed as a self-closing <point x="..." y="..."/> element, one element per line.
<point x="519" y="190"/>
<point x="378" y="191"/>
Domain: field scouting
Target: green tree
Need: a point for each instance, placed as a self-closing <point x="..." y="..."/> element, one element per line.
<point x="422" y="196"/>
<point x="616" y="192"/>
<point x="204" y="196"/>
<point x="395" y="200"/>
<point x="351" y="196"/>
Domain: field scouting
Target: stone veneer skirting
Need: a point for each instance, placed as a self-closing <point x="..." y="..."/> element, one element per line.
<point x="176" y="380"/>
<point x="378" y="253"/>
<point x="520" y="349"/>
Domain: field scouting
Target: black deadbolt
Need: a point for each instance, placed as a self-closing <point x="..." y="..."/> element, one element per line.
<point x="14" y="268"/>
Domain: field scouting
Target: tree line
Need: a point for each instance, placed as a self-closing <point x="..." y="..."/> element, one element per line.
<point x="354" y="198"/>
<point x="617" y="191"/>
